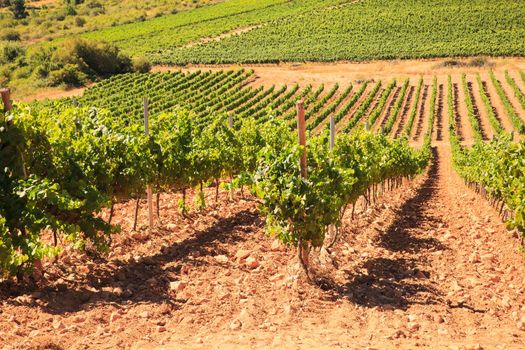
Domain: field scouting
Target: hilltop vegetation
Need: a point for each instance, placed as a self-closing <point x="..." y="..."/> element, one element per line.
<point x="39" y="44"/>
<point x="328" y="30"/>
<point x="160" y="36"/>
<point x="45" y="20"/>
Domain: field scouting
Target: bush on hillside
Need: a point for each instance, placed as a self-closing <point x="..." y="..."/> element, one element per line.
<point x="69" y="75"/>
<point x="141" y="65"/>
<point x="10" y="35"/>
<point x="10" y="51"/>
<point x="93" y="58"/>
<point x="18" y="8"/>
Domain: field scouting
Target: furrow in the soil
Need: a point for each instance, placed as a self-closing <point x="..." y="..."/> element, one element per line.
<point x="405" y="110"/>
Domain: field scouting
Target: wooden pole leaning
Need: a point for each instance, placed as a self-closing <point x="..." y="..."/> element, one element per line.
<point x="149" y="192"/>
<point x="6" y="99"/>
<point x="301" y="128"/>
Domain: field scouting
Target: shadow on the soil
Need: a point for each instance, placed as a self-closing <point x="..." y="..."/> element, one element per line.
<point x="397" y="283"/>
<point x="398" y="236"/>
<point x="146" y="280"/>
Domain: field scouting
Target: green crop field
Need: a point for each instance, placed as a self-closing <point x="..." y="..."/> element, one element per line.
<point x="322" y="31"/>
<point x="160" y="36"/>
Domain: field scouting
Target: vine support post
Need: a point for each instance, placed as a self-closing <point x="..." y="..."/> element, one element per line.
<point x="230" y="191"/>
<point x="302" y="248"/>
<point x="331" y="228"/>
<point x="149" y="192"/>
<point x="332" y="132"/>
<point x="230" y="120"/>
<point x="301" y="128"/>
<point x="6" y="99"/>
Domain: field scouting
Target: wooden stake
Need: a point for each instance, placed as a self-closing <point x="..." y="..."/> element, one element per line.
<point x="303" y="248"/>
<point x="332" y="133"/>
<point x="230" y="120"/>
<point x="230" y="191"/>
<point x="301" y="128"/>
<point x="148" y="188"/>
<point x="331" y="228"/>
<point x="6" y="99"/>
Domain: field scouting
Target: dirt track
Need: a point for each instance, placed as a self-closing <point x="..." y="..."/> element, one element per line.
<point x="343" y="72"/>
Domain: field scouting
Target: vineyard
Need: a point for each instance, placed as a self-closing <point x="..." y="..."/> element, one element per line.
<point x="220" y="155"/>
<point x="262" y="174"/>
<point x="274" y="31"/>
<point x="386" y="108"/>
<point x="395" y="108"/>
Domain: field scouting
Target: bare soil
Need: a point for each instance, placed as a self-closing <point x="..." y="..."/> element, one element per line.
<point x="223" y="36"/>
<point x="52" y="93"/>
<point x="316" y="73"/>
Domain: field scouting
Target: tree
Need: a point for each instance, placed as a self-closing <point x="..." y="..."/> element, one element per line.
<point x="18" y="8"/>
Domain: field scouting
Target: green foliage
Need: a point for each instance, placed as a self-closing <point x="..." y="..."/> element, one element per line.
<point x="93" y="58"/>
<point x="155" y="37"/>
<point x="64" y="164"/>
<point x="68" y="75"/>
<point x="516" y="89"/>
<point x="141" y="65"/>
<point x="489" y="108"/>
<point x="410" y="123"/>
<point x="72" y="63"/>
<point x="474" y="122"/>
<point x="372" y="29"/>
<point x="395" y="110"/>
<point x="498" y="167"/>
<point x="360" y="112"/>
<point x="10" y="35"/>
<point x="517" y="122"/>
<point x="300" y="209"/>
<point x="43" y="188"/>
<point x="10" y="52"/>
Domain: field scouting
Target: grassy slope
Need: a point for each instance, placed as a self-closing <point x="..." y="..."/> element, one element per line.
<point x="370" y="29"/>
<point x="52" y="19"/>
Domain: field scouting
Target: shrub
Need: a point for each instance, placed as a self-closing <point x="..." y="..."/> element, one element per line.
<point x="10" y="35"/>
<point x="10" y="51"/>
<point x="93" y="58"/>
<point x="141" y="65"/>
<point x="18" y="8"/>
<point x="79" y="21"/>
<point x="69" y="75"/>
